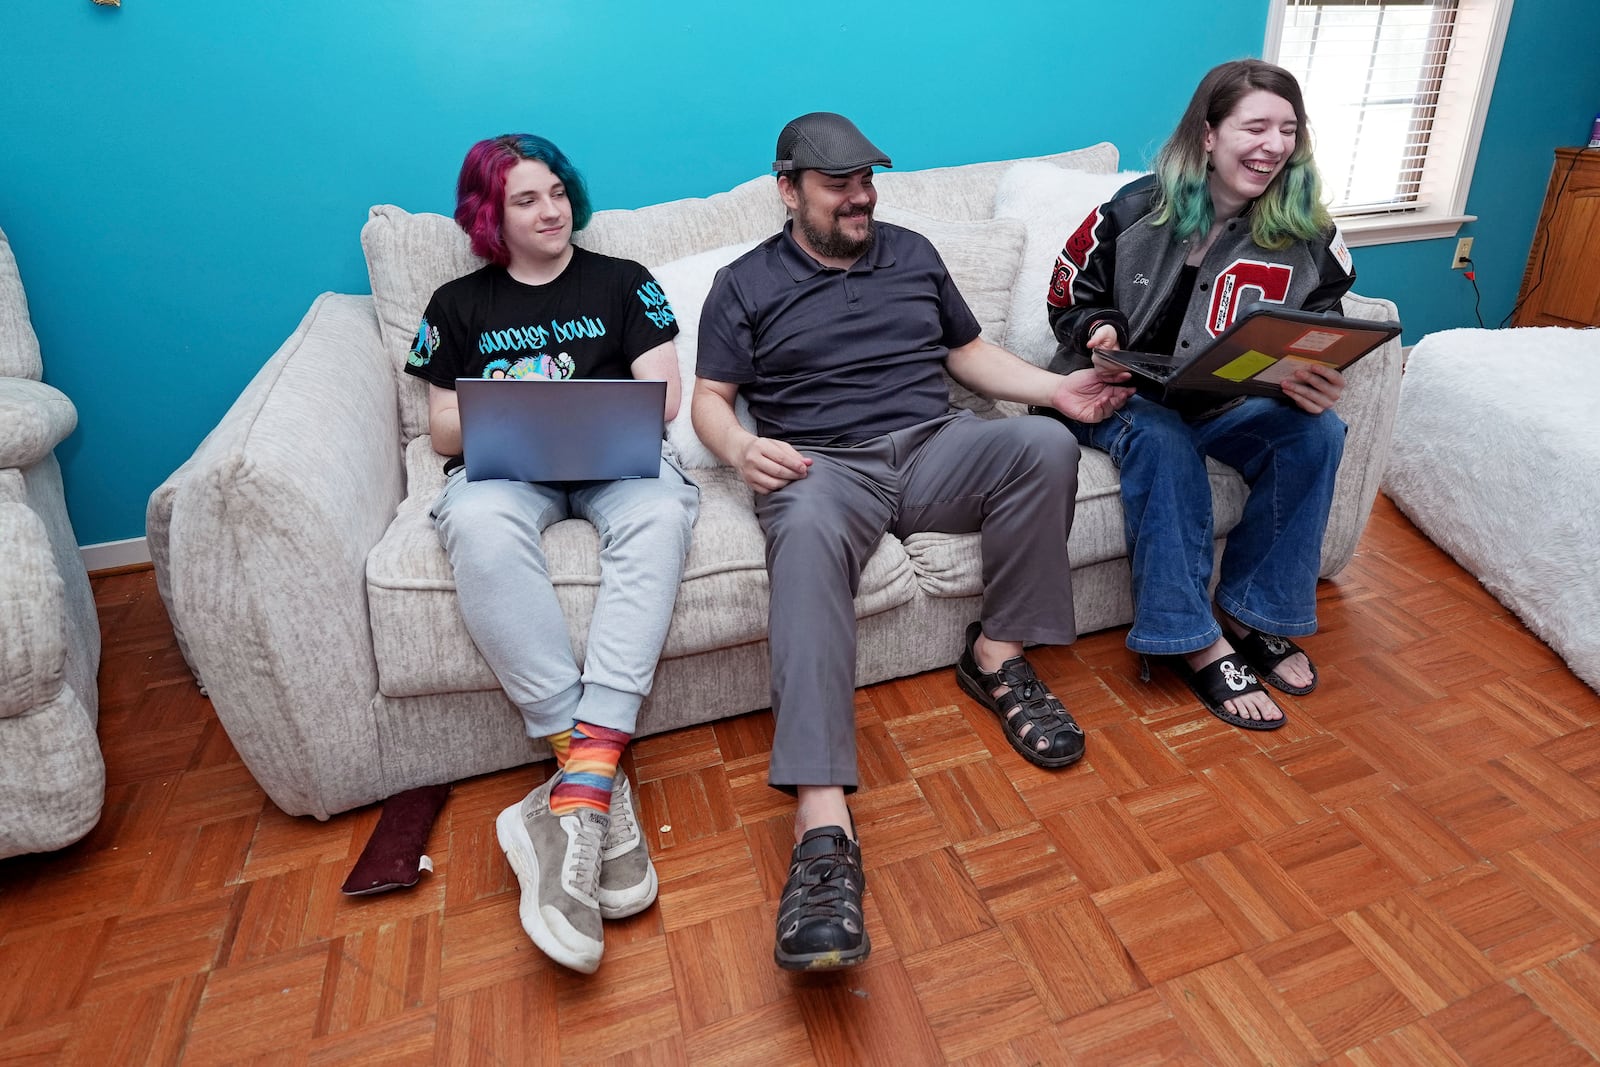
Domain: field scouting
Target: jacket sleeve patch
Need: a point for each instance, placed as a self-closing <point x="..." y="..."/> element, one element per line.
<point x="1073" y="258"/>
<point x="1341" y="251"/>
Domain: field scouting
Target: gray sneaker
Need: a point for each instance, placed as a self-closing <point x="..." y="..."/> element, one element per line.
<point x="557" y="860"/>
<point x="627" y="877"/>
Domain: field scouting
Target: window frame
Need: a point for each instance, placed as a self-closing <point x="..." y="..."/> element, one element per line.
<point x="1445" y="216"/>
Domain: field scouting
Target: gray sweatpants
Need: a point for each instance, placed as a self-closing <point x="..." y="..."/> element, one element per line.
<point x="1014" y="480"/>
<point x="490" y="531"/>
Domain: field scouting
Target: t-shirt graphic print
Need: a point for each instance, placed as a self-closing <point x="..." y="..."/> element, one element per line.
<point x="592" y="321"/>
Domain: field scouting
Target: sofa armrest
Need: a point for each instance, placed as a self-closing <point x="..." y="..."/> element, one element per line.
<point x="34" y="418"/>
<point x="260" y="542"/>
<point x="1368" y="406"/>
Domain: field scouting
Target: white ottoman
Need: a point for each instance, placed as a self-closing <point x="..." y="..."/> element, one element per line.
<point x="1497" y="459"/>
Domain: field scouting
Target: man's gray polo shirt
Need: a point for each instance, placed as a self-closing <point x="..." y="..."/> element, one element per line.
<point x="835" y="357"/>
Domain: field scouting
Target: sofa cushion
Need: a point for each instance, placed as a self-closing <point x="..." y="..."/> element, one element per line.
<point x="1052" y="201"/>
<point x="422" y="646"/>
<point x="982" y="256"/>
<point x="408" y="257"/>
<point x="967" y="191"/>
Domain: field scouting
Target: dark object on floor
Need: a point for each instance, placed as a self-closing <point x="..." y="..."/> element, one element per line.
<point x="1040" y="714"/>
<point x="1220" y="680"/>
<point x="393" y="858"/>
<point x="820" y="925"/>
<point x="1264" y="652"/>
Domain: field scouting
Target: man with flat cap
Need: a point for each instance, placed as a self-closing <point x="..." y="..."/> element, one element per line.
<point x="836" y="330"/>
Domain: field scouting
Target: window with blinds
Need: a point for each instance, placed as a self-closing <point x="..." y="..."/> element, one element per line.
<point x="1371" y="73"/>
<point x="1396" y="91"/>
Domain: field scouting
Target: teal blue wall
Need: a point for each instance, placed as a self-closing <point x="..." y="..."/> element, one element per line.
<point x="1546" y="95"/>
<point x="180" y="178"/>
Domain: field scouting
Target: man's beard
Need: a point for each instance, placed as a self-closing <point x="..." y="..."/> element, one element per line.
<point x="833" y="243"/>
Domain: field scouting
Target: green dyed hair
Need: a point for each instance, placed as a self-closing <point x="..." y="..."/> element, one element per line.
<point x="1290" y="210"/>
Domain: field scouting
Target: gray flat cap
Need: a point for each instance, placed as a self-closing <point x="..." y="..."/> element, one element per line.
<point x="827" y="142"/>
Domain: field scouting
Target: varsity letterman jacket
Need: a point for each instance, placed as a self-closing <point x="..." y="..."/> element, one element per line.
<point x="1119" y="268"/>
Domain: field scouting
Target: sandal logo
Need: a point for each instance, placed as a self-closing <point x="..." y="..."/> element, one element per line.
<point x="1275" y="645"/>
<point x="1238" y="678"/>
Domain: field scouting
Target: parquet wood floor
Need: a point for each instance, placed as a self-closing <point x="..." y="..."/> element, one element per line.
<point x="1409" y="873"/>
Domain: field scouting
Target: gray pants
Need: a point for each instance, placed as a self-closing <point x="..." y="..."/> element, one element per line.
<point x="1013" y="480"/>
<point x="491" y="529"/>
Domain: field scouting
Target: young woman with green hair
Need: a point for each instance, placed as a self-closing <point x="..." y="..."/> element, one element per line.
<point x="1231" y="218"/>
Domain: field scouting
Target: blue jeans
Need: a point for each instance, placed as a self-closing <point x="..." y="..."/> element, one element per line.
<point x="1269" y="569"/>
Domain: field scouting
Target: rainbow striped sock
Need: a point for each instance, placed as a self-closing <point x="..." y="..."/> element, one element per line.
<point x="559" y="744"/>
<point x="590" y="768"/>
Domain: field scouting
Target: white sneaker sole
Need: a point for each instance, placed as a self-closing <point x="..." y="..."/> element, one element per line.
<point x="624" y="903"/>
<point x="519" y="852"/>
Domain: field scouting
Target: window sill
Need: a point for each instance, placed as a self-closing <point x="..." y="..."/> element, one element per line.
<point x="1393" y="229"/>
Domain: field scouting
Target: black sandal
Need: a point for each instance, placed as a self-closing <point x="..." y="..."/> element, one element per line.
<point x="1220" y="680"/>
<point x="1264" y="652"/>
<point x="1028" y="712"/>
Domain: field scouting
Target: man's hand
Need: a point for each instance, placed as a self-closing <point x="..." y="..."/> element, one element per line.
<point x="1314" y="387"/>
<point x="766" y="464"/>
<point x="1085" y="396"/>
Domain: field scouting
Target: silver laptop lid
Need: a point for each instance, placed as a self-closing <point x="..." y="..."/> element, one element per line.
<point x="581" y="429"/>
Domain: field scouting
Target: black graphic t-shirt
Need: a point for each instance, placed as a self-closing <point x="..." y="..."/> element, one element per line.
<point x="593" y="321"/>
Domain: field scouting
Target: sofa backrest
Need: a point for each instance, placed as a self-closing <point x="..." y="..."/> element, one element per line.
<point x="968" y="191"/>
<point x="410" y="255"/>
<point x="19" y="346"/>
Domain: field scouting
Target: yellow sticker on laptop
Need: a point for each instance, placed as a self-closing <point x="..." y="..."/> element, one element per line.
<point x="1245" y="366"/>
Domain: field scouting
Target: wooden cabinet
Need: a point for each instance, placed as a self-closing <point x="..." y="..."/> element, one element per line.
<point x="1561" y="286"/>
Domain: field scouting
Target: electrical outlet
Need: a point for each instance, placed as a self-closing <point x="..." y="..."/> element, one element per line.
<point x="1463" y="254"/>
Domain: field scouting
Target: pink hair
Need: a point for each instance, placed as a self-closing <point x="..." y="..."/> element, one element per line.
<point x="481" y="189"/>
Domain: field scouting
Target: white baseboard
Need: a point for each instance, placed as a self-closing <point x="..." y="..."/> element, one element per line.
<point x="111" y="554"/>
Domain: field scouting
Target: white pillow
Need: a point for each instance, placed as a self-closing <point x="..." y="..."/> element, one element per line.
<point x="686" y="282"/>
<point x="1052" y="201"/>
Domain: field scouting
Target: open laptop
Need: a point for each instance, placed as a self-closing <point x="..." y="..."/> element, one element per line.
<point x="577" y="430"/>
<point x="1259" y="351"/>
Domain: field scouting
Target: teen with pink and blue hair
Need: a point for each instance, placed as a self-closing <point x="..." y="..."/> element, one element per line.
<point x="575" y="841"/>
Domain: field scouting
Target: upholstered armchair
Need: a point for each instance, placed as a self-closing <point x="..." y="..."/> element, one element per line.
<point x="52" y="779"/>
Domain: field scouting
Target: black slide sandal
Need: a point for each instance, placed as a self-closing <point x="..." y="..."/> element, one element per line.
<point x="1264" y="652"/>
<point x="1220" y="680"/>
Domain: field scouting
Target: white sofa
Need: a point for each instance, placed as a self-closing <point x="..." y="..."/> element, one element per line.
<point x="52" y="779"/>
<point x="298" y="562"/>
